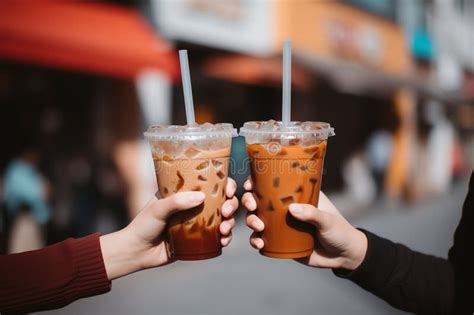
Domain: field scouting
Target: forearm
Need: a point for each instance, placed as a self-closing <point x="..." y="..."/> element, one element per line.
<point x="52" y="277"/>
<point x="406" y="279"/>
<point x="121" y="254"/>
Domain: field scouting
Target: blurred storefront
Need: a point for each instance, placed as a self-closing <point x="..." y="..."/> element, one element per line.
<point x="78" y="82"/>
<point x="352" y="67"/>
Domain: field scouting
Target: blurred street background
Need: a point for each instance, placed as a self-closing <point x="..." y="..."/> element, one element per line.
<point x="81" y="80"/>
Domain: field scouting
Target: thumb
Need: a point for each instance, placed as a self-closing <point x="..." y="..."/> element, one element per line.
<point x="178" y="202"/>
<point x="308" y="213"/>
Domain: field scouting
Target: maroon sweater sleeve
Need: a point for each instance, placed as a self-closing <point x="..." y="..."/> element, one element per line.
<point x="52" y="277"/>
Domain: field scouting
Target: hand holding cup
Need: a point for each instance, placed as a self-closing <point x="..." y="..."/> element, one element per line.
<point x="338" y="244"/>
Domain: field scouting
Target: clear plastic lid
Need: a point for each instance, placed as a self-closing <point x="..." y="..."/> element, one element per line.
<point x="204" y="131"/>
<point x="272" y="129"/>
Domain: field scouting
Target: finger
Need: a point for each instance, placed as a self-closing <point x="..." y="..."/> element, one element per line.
<point x="163" y="208"/>
<point x="230" y="188"/>
<point x="229" y="206"/>
<point x="255" y="223"/>
<point x="248" y="184"/>
<point x="308" y="213"/>
<point x="249" y="201"/>
<point x="226" y="240"/>
<point x="256" y="241"/>
<point x="226" y="227"/>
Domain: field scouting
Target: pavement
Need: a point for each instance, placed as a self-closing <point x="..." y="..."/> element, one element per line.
<point x="243" y="282"/>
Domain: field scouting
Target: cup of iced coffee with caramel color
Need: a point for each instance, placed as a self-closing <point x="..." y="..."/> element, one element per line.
<point x="193" y="158"/>
<point x="286" y="164"/>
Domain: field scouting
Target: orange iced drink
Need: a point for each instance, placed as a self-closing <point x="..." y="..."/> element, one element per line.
<point x="193" y="158"/>
<point x="286" y="167"/>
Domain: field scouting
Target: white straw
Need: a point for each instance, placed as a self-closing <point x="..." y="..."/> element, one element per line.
<point x="187" y="90"/>
<point x="286" y="104"/>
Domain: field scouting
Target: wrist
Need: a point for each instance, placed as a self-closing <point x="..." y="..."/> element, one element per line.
<point x="121" y="256"/>
<point x="355" y="255"/>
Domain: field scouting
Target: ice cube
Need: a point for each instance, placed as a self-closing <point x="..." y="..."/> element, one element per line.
<point x="276" y="182"/>
<point x="166" y="158"/>
<point x="287" y="200"/>
<point x="311" y="149"/>
<point x="194" y="228"/>
<point x="309" y="142"/>
<point x="210" y="221"/>
<point x="180" y="183"/>
<point x="221" y="175"/>
<point x="203" y="165"/>
<point x="294" y="141"/>
<point x="314" y="156"/>
<point x="215" y="189"/>
<point x="270" y="206"/>
<point x="270" y="125"/>
<point x="217" y="163"/>
<point x="295" y="164"/>
<point x="283" y="151"/>
<point x="289" y="142"/>
<point x="307" y="125"/>
<point x="207" y="126"/>
<point x="191" y="152"/>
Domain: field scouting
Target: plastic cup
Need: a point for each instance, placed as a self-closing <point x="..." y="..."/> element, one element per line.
<point x="286" y="164"/>
<point x="193" y="158"/>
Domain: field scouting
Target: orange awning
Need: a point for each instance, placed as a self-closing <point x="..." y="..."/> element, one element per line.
<point x="83" y="36"/>
<point x="255" y="70"/>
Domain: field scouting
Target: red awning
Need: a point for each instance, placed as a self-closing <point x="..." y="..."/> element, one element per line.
<point x="83" y="36"/>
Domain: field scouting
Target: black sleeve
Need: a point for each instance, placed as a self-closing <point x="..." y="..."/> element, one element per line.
<point x="406" y="279"/>
<point x="461" y="256"/>
<point x="420" y="283"/>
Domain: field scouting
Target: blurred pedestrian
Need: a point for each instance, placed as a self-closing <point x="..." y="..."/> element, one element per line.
<point x="26" y="193"/>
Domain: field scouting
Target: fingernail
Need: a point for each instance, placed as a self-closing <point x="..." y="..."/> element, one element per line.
<point x="224" y="226"/>
<point x="259" y="225"/>
<point x="295" y="208"/>
<point x="253" y="204"/>
<point x="227" y="209"/>
<point x="196" y="196"/>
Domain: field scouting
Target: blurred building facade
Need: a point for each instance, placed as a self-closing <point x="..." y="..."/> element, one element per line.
<point x="395" y="79"/>
<point x="370" y="68"/>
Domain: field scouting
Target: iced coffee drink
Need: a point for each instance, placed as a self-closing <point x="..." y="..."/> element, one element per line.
<point x="193" y="158"/>
<point x="286" y="167"/>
